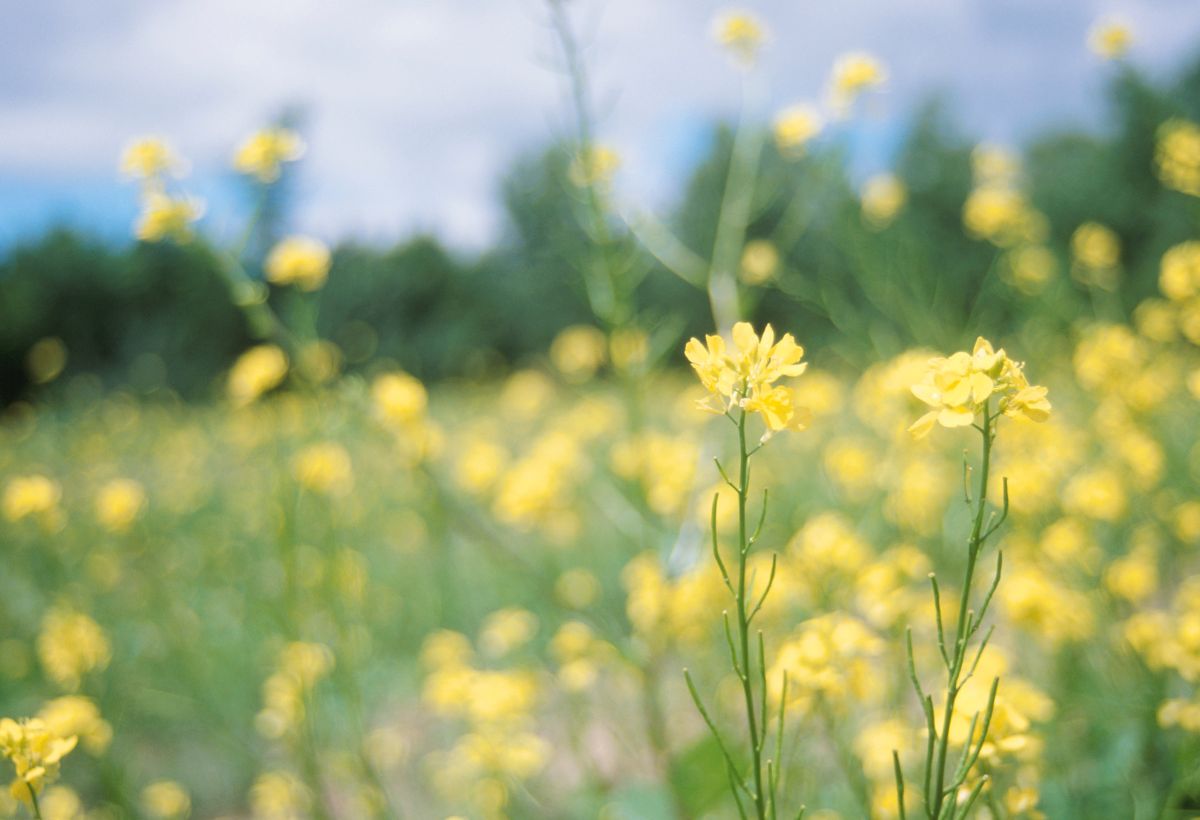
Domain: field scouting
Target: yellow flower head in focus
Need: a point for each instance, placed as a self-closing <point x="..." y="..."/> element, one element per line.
<point x="324" y="468"/>
<point x="1177" y="155"/>
<point x="35" y="753"/>
<point x="760" y="262"/>
<point x="119" y="503"/>
<point x="148" y="158"/>
<point x="255" y="372"/>
<point x="958" y="388"/>
<point x="1110" y="39"/>
<point x="298" y="260"/>
<point x="29" y="495"/>
<point x="741" y="34"/>
<point x="854" y="74"/>
<point x="263" y="153"/>
<point x="744" y="374"/>
<point x="168" y="217"/>
<point x="795" y="126"/>
<point x="883" y="197"/>
<point x="70" y="645"/>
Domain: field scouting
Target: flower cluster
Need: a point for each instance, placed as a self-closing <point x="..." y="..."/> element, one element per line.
<point x="744" y="376"/>
<point x="960" y="387"/>
<point x="35" y="752"/>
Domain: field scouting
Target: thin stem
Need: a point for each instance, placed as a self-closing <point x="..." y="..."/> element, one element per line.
<point x="33" y="802"/>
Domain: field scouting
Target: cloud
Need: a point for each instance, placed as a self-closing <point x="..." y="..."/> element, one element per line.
<point x="413" y="109"/>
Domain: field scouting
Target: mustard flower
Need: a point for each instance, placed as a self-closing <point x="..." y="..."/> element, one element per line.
<point x="263" y="153"/>
<point x="958" y="389"/>
<point x="1177" y="155"/>
<point x="741" y="34"/>
<point x="1110" y="39"/>
<point x="854" y="74"/>
<point x="255" y="372"/>
<point x="168" y="217"/>
<point x="149" y="157"/>
<point x="883" y="197"/>
<point x="744" y="375"/>
<point x="298" y="260"/>
<point x="35" y="752"/>
<point x="795" y="126"/>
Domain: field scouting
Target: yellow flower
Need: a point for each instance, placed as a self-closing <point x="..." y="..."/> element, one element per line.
<point x="795" y="126"/>
<point x="1110" y="39"/>
<point x="324" y="468"/>
<point x="168" y="217"/>
<point x="400" y="399"/>
<point x="255" y="372"/>
<point x="578" y="352"/>
<point x="760" y="261"/>
<point x="1179" y="275"/>
<point x="166" y="799"/>
<point x="596" y="165"/>
<point x="741" y="34"/>
<point x="264" y="152"/>
<point x="883" y="196"/>
<point x="77" y="715"/>
<point x="119" y="503"/>
<point x="70" y="645"/>
<point x="149" y="157"/>
<point x="298" y="260"/>
<point x="959" y="387"/>
<point x="1097" y="252"/>
<point x="1177" y="155"/>
<point x="853" y="74"/>
<point x="31" y="495"/>
<point x="35" y="752"/>
<point x="743" y="376"/>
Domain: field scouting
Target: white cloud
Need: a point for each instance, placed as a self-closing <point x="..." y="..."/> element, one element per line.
<point x="415" y="108"/>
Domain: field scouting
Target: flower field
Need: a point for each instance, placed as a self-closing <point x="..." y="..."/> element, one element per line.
<point x="636" y="574"/>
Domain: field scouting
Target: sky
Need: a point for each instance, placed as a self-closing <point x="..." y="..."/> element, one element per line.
<point x="412" y="110"/>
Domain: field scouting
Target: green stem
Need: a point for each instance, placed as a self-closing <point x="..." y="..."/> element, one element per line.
<point x="962" y="631"/>
<point x="33" y="801"/>
<point x="760" y="801"/>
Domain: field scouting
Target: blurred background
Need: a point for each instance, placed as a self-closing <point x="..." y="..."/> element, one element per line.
<point x="436" y="137"/>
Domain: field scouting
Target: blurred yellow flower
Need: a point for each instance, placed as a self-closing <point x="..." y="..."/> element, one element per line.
<point x="70" y="645"/>
<point x="399" y="398"/>
<point x="795" y="126"/>
<point x="760" y="262"/>
<point x="166" y="800"/>
<point x="80" y="716"/>
<point x="1177" y="156"/>
<point x="168" y="217"/>
<point x="855" y="73"/>
<point x="46" y="359"/>
<point x="324" y="468"/>
<point x="594" y="166"/>
<point x="883" y="196"/>
<point x="1110" y="39"/>
<point x="578" y="352"/>
<point x="30" y="495"/>
<point x="148" y="157"/>
<point x="1031" y="267"/>
<point x="255" y="372"/>
<point x="741" y="34"/>
<point x="298" y="260"/>
<point x="1179" y="274"/>
<point x="119" y="503"/>
<point x="264" y="152"/>
<point x="1097" y="253"/>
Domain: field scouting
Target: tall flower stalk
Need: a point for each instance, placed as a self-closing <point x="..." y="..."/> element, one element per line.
<point x="967" y="389"/>
<point x="741" y="383"/>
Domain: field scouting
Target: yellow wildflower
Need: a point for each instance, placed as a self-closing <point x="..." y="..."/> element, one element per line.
<point x="399" y="398"/>
<point x="263" y="153"/>
<point x="883" y="196"/>
<point x="298" y="260"/>
<point x="1097" y="253"/>
<point x="79" y="716"/>
<point x="119" y="503"/>
<point x="166" y="799"/>
<point x="324" y="468"/>
<point x="149" y="157"/>
<point x="959" y="387"/>
<point x="1177" y="156"/>
<point x="578" y="352"/>
<point x="35" y="752"/>
<point x="168" y="217"/>
<point x="29" y="495"/>
<point x="741" y="34"/>
<point x="255" y="372"/>
<point x="795" y="126"/>
<point x="1179" y="274"/>
<point x="594" y="166"/>
<point x="1110" y="39"/>
<point x="70" y="645"/>
<point x="743" y="376"/>
<point x="760" y="261"/>
<point x="853" y="74"/>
